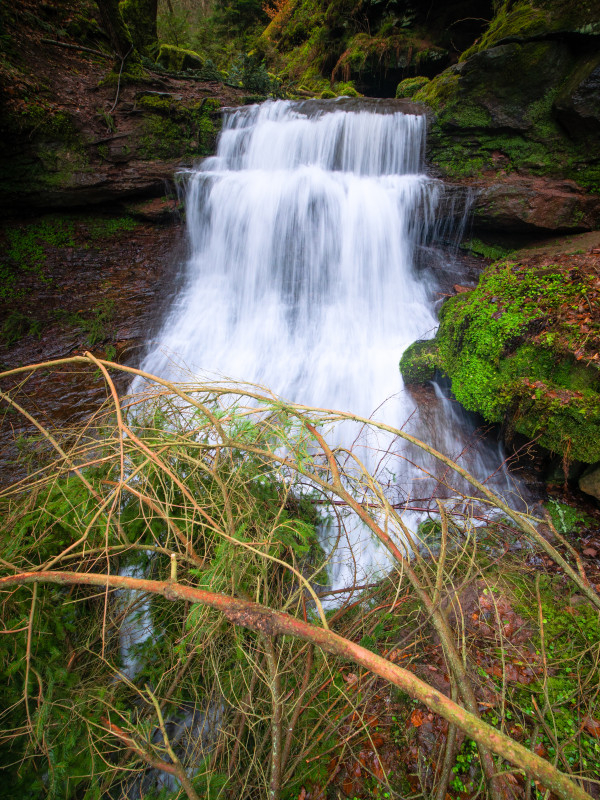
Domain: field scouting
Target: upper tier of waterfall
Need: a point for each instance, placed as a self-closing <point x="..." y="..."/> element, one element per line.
<point x="371" y="139"/>
<point x="302" y="231"/>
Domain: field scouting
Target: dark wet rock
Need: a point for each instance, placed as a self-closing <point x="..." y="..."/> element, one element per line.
<point x="158" y="210"/>
<point x="103" y="290"/>
<point x="578" y="104"/>
<point x="590" y="481"/>
<point x="530" y="204"/>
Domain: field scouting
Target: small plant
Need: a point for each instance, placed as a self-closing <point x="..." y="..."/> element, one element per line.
<point x="492" y="251"/>
<point x="26" y="250"/>
<point x="99" y="325"/>
<point x="565" y="518"/>
<point x="465" y="758"/>
<point x="251" y="74"/>
<point x="108" y="120"/>
<point x="18" y="325"/>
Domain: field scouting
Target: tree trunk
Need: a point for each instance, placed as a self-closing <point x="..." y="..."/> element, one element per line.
<point x="140" y="18"/>
<point x="116" y="29"/>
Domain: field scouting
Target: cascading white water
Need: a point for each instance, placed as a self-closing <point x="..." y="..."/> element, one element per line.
<point x="302" y="234"/>
<point x="303" y="230"/>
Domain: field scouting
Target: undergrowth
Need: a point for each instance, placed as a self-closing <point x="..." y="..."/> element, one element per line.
<point x="112" y="679"/>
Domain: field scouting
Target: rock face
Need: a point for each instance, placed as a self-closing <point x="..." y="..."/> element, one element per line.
<point x="525" y="101"/>
<point x="73" y="132"/>
<point x="62" y="161"/>
<point x="535" y="205"/>
<point x="578" y="104"/>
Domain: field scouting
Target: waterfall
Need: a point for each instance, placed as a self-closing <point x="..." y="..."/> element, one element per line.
<point x="302" y="276"/>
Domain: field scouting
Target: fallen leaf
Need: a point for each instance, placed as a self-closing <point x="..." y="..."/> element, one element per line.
<point x="592" y="726"/>
<point x="417" y="717"/>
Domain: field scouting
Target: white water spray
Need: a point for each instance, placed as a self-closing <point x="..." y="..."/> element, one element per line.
<point x="303" y="232"/>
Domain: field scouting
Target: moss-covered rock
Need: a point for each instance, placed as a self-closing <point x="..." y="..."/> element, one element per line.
<point x="175" y="129"/>
<point x="419" y="362"/>
<point x="517" y="352"/>
<point x="410" y="86"/>
<point x="525" y="98"/>
<point x="177" y="59"/>
<point x="525" y="19"/>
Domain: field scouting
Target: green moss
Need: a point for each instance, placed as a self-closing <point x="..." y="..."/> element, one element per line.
<point x="345" y="89"/>
<point x="410" y="86"/>
<point x="501" y="368"/>
<point x="419" y="362"/>
<point x="177" y="59"/>
<point x="520" y="19"/>
<point x="566" y="519"/>
<point x="327" y="94"/>
<point x="485" y="250"/>
<point x="175" y="130"/>
<point x="157" y="103"/>
<point x="440" y="90"/>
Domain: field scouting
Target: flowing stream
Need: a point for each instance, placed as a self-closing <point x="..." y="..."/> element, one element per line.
<point x="304" y="233"/>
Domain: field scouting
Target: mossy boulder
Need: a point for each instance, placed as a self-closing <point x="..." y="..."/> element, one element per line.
<point x="518" y="352"/>
<point x="410" y="86"/>
<point x="525" y="98"/>
<point x="177" y="59"/>
<point x="419" y="362"/>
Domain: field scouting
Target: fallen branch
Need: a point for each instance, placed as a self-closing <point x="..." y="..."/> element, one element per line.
<point x="77" y="47"/>
<point x="270" y="623"/>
